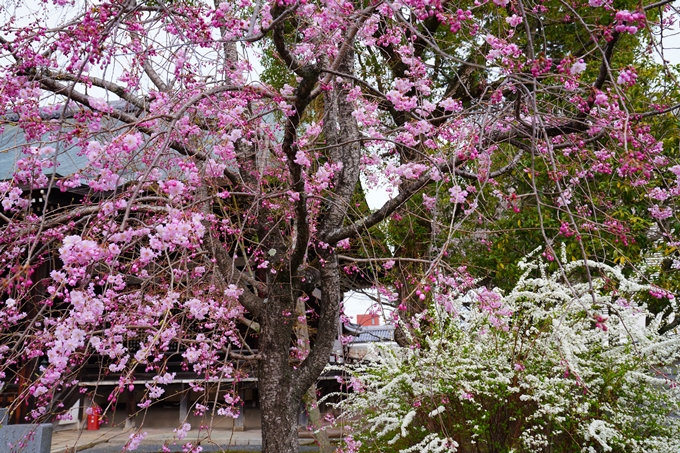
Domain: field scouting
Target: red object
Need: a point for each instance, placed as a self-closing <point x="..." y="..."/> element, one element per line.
<point x="94" y="418"/>
<point x="368" y="320"/>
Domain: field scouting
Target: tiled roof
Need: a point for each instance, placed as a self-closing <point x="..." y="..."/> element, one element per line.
<point x="12" y="140"/>
<point x="369" y="334"/>
<point x="374" y="335"/>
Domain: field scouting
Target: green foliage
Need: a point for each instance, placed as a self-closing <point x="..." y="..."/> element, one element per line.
<point x="608" y="216"/>
<point x="275" y="72"/>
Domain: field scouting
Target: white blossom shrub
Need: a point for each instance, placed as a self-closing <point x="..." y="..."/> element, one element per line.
<point x="550" y="367"/>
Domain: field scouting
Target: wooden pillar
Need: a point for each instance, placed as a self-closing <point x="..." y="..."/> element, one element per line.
<point x="183" y="404"/>
<point x="130" y="408"/>
<point x="303" y="418"/>
<point x="240" y="421"/>
<point x="82" y="416"/>
<point x="22" y="410"/>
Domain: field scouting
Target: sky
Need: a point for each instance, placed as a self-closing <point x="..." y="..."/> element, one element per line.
<point x="357" y="303"/>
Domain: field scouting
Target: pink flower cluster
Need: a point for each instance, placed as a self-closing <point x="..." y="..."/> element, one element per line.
<point x="491" y="303"/>
<point x="628" y="22"/>
<point x="77" y="251"/>
<point x="627" y="77"/>
<point x="12" y="198"/>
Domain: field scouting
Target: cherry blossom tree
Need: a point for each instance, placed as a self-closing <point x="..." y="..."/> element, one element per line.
<point x="204" y="201"/>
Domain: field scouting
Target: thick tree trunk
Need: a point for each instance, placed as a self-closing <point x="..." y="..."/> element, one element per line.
<point x="279" y="402"/>
<point x="281" y="385"/>
<point x="279" y="419"/>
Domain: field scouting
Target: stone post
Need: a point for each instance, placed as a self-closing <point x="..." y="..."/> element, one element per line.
<point x="24" y="438"/>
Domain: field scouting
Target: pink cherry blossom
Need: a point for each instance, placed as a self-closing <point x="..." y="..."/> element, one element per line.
<point x="578" y="67"/>
<point x="514" y="20"/>
<point x="458" y="195"/>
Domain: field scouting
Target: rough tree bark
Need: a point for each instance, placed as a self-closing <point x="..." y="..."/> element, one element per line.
<point x="282" y="386"/>
<point x="279" y="394"/>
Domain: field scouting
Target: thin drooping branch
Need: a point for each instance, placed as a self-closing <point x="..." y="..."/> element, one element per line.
<point x="230" y="273"/>
<point x="109" y="86"/>
<point x="154" y="77"/>
<point x="58" y="88"/>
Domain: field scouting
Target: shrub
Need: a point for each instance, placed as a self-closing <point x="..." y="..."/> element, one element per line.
<point x="549" y="367"/>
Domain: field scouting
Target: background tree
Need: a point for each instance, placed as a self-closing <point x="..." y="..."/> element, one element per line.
<point x="205" y="199"/>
